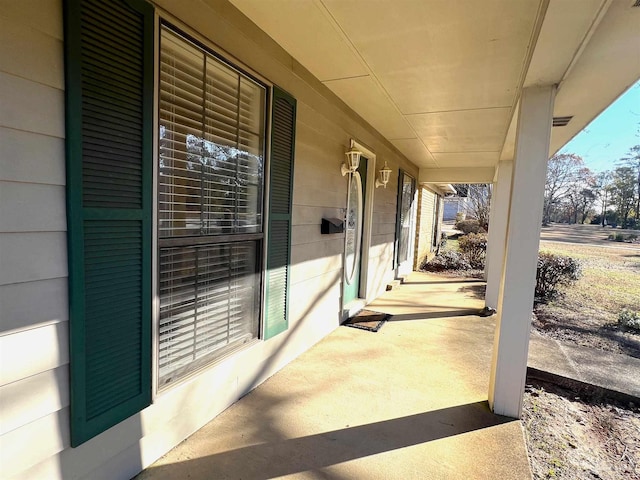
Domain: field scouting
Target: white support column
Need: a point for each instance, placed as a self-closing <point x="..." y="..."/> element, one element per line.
<point x="515" y="301"/>
<point x="498" y="218"/>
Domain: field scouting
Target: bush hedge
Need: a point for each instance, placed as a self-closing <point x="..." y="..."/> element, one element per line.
<point x="553" y="272"/>
<point x="448" y="260"/>
<point x="474" y="248"/>
<point x="630" y="319"/>
<point x="470" y="226"/>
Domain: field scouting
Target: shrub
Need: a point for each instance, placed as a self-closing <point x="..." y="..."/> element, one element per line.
<point x="448" y="260"/>
<point x="474" y="249"/>
<point x="553" y="272"/>
<point x="469" y="226"/>
<point x="630" y="319"/>
<point x="459" y="217"/>
<point x="620" y="237"/>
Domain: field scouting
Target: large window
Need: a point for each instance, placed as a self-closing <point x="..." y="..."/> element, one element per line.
<point x="210" y="207"/>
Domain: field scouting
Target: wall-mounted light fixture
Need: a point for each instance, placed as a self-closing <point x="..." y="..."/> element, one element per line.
<point x="353" y="161"/>
<point x="383" y="176"/>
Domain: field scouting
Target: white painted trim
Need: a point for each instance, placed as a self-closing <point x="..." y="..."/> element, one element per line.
<point x="155" y="271"/>
<point x="266" y="207"/>
<point x="367" y="219"/>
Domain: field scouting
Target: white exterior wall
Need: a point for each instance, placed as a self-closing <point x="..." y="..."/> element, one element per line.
<point x="34" y="383"/>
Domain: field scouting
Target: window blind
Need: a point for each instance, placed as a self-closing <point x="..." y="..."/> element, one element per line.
<point x="210" y="189"/>
<point x="211" y="144"/>
<point x="209" y="301"/>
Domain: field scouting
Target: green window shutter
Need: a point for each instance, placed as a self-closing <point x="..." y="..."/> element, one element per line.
<point x="283" y="134"/>
<point x="109" y="122"/>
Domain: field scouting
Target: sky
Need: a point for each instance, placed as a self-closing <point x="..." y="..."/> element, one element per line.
<point x="610" y="135"/>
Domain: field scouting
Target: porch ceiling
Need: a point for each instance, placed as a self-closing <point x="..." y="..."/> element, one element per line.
<point x="441" y="80"/>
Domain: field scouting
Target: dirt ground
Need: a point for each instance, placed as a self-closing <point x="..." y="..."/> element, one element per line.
<point x="571" y="434"/>
<point x="576" y="437"/>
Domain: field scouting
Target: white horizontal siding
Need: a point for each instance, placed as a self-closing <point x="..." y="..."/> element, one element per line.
<point x="24" y="305"/>
<point x="312" y="215"/>
<point x="28" y="445"/>
<point x="30" y="54"/>
<point x="34" y="384"/>
<point x="32" y="207"/>
<point x="34" y="351"/>
<point x="25" y="257"/>
<point x="28" y="157"/>
<point x="34" y="397"/>
<point x="31" y="106"/>
<point x="308" y="269"/>
<point x="40" y="15"/>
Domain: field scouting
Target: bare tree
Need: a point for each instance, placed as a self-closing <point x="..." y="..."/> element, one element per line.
<point x="603" y="188"/>
<point x="581" y="195"/>
<point x="562" y="170"/>
<point x="623" y="194"/>
<point x="632" y="160"/>
<point x="478" y="200"/>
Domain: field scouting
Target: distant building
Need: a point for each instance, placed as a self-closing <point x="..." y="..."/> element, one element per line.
<point x="453" y="206"/>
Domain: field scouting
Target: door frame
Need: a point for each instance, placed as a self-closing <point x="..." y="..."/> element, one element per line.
<point x="405" y="267"/>
<point x="364" y="293"/>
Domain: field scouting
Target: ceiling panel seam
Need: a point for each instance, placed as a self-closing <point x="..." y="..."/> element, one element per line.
<point x="345" y="78"/>
<point x="375" y="79"/>
<point x="457" y="111"/>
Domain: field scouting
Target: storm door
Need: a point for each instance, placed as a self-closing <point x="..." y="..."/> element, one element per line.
<point x="405" y="223"/>
<point x="354" y="220"/>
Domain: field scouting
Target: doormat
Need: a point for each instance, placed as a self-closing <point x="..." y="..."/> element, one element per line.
<point x="367" y="320"/>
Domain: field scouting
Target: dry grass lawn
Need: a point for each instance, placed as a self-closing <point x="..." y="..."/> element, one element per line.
<point x="587" y="312"/>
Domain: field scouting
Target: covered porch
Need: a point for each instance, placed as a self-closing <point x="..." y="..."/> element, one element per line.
<point x="409" y="401"/>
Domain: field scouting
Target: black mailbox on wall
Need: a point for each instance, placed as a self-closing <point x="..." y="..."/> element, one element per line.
<point x="331" y="225"/>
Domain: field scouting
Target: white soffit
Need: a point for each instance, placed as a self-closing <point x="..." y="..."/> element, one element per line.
<point x="414" y="150"/>
<point x="564" y="29"/>
<point x="462" y="131"/>
<point x="479" y="159"/>
<point x="608" y="66"/>
<point x="303" y="29"/>
<point x="433" y="56"/>
<point x="592" y="52"/>
<point x="453" y="69"/>
<point x="365" y="96"/>
<point x="456" y="175"/>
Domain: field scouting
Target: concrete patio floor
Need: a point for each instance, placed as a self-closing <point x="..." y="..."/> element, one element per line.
<point x="407" y="402"/>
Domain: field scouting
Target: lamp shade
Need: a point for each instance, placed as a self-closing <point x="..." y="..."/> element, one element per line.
<point x="383" y="176"/>
<point x="353" y="159"/>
